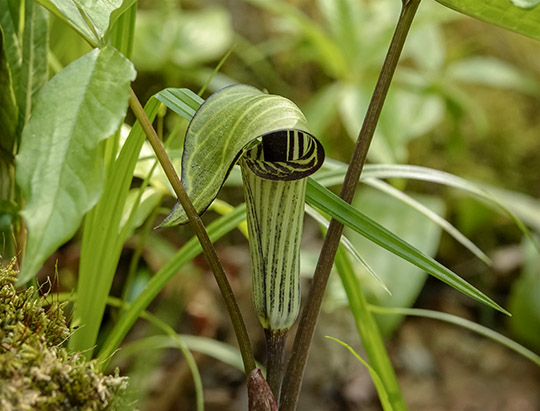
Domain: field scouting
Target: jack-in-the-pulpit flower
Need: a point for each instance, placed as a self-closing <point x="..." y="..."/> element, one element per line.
<point x="268" y="136"/>
<point x="274" y="174"/>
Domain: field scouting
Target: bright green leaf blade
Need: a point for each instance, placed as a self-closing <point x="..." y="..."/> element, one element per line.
<point x="121" y="34"/>
<point x="462" y="322"/>
<point x="381" y="391"/>
<point x="8" y="106"/>
<point x="501" y="13"/>
<point x="182" y="101"/>
<point x="223" y="126"/>
<point x="103" y="239"/>
<point x="58" y="167"/>
<point x="324" y="199"/>
<point x="34" y="57"/>
<point x="69" y="12"/>
<point x="369" y="332"/>
<point x="142" y="204"/>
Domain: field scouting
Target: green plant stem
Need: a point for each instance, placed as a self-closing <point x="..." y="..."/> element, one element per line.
<point x="295" y="369"/>
<point x="207" y="246"/>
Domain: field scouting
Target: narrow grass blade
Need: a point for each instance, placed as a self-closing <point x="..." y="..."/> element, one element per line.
<point x="103" y="240"/>
<point x="441" y="177"/>
<point x="441" y="222"/>
<point x="369" y="332"/>
<point x="190" y="250"/>
<point x="348" y="246"/>
<point x="121" y="33"/>
<point x="462" y="322"/>
<point x="223" y="352"/>
<point x="216" y="349"/>
<point x="334" y="171"/>
<point x="182" y="101"/>
<point x="179" y="342"/>
<point x="330" y="203"/>
<point x="381" y="391"/>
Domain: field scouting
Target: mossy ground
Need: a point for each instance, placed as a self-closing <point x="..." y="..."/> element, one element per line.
<point x="36" y="371"/>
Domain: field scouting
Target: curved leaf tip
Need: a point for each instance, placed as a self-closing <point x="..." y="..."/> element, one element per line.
<point x="269" y="132"/>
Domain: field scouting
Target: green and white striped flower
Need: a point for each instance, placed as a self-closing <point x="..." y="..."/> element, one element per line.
<point x="268" y="136"/>
<point x="274" y="174"/>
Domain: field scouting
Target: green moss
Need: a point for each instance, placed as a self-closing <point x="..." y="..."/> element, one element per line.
<point x="36" y="371"/>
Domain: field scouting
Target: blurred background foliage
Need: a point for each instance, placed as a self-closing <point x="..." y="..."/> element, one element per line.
<point x="465" y="100"/>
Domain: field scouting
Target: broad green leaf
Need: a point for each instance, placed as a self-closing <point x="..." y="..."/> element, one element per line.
<point x="89" y="18"/>
<point x="143" y="204"/>
<point x="103" y="14"/>
<point x="33" y="74"/>
<point x="70" y="12"/>
<point x="224" y="125"/>
<point x="8" y="107"/>
<point x="325" y="200"/>
<point x="502" y="13"/>
<point x="59" y="169"/>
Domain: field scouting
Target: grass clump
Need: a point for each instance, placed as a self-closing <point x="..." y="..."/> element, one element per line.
<point x="36" y="371"/>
